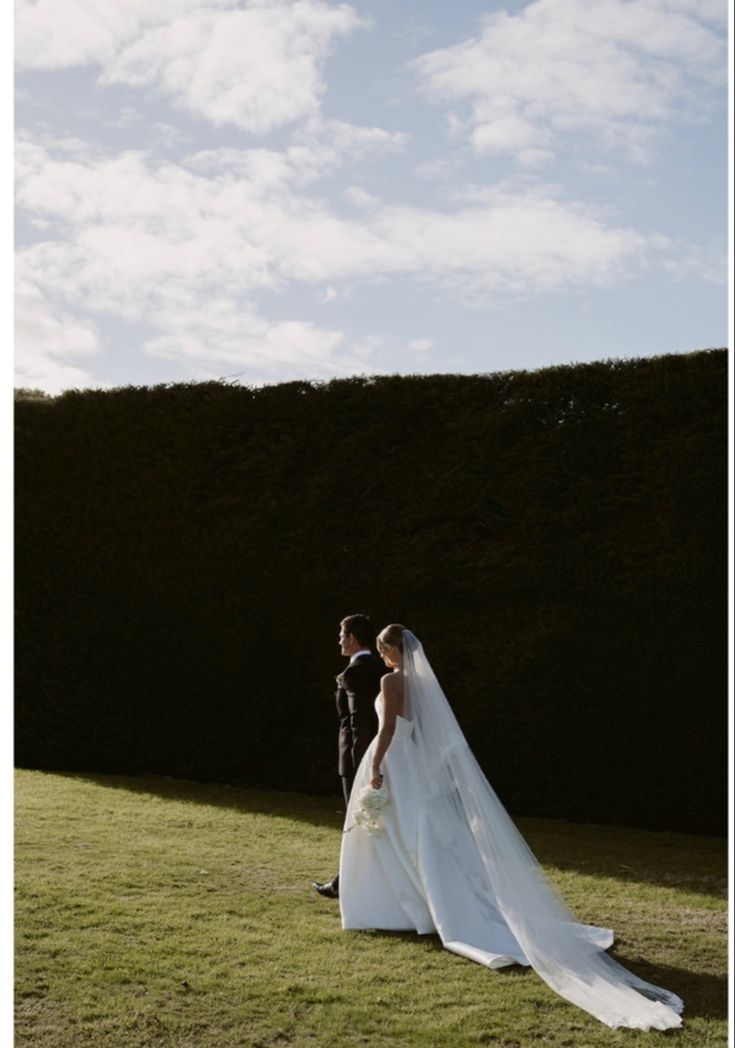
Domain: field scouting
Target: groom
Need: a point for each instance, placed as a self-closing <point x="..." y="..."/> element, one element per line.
<point x="357" y="689"/>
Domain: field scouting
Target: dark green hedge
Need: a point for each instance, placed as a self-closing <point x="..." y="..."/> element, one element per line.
<point x="557" y="538"/>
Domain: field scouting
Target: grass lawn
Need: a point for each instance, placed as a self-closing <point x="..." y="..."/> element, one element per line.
<point x="154" y="912"/>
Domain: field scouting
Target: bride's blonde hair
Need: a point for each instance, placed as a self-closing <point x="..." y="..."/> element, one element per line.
<point x="392" y="635"/>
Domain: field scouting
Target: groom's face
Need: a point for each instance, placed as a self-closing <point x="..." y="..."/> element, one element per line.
<point x="347" y="643"/>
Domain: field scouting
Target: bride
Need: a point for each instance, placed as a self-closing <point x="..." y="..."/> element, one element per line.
<point x="428" y="847"/>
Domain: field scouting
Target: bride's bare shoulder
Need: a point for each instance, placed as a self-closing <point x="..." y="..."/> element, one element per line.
<point x="391" y="690"/>
<point x="392" y="684"/>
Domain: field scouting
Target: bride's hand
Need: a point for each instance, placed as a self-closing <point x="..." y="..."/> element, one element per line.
<point x="377" y="780"/>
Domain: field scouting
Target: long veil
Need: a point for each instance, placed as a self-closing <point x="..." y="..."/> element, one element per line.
<point x="455" y="787"/>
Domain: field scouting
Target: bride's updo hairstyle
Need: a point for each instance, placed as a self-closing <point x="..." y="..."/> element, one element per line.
<point x="392" y="636"/>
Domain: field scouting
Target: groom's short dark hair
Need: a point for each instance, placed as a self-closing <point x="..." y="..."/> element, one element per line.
<point x="361" y="629"/>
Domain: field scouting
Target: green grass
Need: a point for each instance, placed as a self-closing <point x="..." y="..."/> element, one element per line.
<point x="152" y="912"/>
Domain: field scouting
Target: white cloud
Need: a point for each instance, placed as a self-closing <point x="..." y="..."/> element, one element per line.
<point x="704" y="262"/>
<point x="255" y="67"/>
<point x="420" y="345"/>
<point x="360" y="198"/>
<point x="167" y="135"/>
<point x="47" y="340"/>
<point x="442" y="169"/>
<point x="321" y="145"/>
<point x="176" y="251"/>
<point x="611" y="68"/>
<point x="228" y="335"/>
<point x="186" y="249"/>
<point x="131" y="230"/>
<point x="58" y="34"/>
<point x="513" y="241"/>
<point x="39" y="369"/>
<point x="318" y="148"/>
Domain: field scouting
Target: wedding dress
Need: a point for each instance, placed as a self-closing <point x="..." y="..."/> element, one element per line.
<point x="444" y="857"/>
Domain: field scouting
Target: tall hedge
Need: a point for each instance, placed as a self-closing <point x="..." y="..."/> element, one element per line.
<point x="557" y="539"/>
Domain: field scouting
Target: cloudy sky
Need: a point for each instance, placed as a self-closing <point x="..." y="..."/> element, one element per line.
<point x="281" y="189"/>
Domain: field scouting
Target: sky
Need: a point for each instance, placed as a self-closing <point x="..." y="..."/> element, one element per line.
<point x="294" y="189"/>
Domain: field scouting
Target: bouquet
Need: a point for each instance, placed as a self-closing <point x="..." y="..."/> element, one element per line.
<point x="368" y="810"/>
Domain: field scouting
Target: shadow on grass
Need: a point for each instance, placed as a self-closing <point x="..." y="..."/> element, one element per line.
<point x="672" y="860"/>
<point x="704" y="996"/>
<point x="318" y="811"/>
<point x="668" y="860"/>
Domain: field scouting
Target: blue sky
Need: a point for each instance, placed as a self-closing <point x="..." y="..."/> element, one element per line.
<point x="275" y="190"/>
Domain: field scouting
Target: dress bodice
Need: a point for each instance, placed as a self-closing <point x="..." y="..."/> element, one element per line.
<point x="403" y="725"/>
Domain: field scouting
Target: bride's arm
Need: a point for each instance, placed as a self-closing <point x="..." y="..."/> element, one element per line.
<point x="391" y="698"/>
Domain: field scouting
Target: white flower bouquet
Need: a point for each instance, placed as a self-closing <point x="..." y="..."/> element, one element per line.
<point x="368" y="810"/>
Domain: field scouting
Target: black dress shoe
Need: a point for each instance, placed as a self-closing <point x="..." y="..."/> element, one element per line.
<point x="328" y="890"/>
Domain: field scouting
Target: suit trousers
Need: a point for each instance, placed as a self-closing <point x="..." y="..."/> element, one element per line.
<point x="347" y="781"/>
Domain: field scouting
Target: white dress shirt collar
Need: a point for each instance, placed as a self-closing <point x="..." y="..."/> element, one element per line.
<point x="363" y="651"/>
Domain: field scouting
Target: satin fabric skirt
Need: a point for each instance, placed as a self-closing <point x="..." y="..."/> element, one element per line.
<point x="422" y="873"/>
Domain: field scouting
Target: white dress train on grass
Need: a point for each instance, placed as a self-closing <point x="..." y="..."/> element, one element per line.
<point x="449" y="860"/>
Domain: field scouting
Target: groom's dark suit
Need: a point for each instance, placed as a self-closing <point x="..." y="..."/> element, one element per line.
<point x="357" y="688"/>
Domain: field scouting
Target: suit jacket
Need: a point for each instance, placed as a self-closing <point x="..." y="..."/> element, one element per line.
<point x="357" y="688"/>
